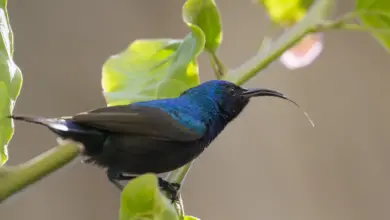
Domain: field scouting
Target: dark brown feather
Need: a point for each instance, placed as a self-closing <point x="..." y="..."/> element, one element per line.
<point x="140" y="154"/>
<point x="147" y="121"/>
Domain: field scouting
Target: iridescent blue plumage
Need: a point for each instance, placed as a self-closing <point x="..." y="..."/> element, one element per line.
<point x="202" y="109"/>
<point x="183" y="110"/>
<point x="158" y="135"/>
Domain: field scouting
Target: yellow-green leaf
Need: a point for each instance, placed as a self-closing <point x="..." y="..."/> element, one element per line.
<point x="375" y="14"/>
<point x="152" y="69"/>
<point x="205" y="15"/>
<point x="142" y="199"/>
<point x="286" y="12"/>
<point x="10" y="81"/>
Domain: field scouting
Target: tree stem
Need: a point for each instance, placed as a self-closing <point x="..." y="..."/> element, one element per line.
<point x="178" y="176"/>
<point x="16" y="178"/>
<point x="315" y="16"/>
<point x="218" y="67"/>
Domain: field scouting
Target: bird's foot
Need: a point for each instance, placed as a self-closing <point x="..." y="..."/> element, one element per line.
<point x="172" y="189"/>
<point x="114" y="176"/>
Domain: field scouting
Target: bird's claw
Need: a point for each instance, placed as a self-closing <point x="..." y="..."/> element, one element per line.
<point x="172" y="189"/>
<point x="113" y="176"/>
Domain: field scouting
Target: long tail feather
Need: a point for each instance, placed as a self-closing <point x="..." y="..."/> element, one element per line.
<point x="55" y="124"/>
<point x="91" y="139"/>
<point x="32" y="119"/>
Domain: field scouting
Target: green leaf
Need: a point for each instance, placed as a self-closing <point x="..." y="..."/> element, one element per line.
<point x="375" y="14"/>
<point x="142" y="199"/>
<point x="286" y="12"/>
<point x="10" y="81"/>
<point x="152" y="69"/>
<point x="205" y="15"/>
<point x="187" y="217"/>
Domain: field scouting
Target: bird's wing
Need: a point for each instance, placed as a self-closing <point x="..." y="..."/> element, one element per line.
<point x="148" y="121"/>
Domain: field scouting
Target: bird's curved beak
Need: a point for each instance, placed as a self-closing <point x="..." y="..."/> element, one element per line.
<point x="249" y="93"/>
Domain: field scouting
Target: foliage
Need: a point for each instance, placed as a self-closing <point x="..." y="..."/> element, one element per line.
<point x="286" y="12"/>
<point x="160" y="68"/>
<point x="142" y="199"/>
<point x="204" y="14"/>
<point x="375" y="14"/>
<point x="10" y="81"/>
<point x="152" y="69"/>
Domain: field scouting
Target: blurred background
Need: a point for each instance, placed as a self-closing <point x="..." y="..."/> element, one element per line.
<point x="268" y="164"/>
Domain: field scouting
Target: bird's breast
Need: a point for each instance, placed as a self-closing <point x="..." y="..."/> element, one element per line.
<point x="140" y="154"/>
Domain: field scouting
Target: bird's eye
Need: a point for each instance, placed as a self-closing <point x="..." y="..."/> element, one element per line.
<point x="232" y="92"/>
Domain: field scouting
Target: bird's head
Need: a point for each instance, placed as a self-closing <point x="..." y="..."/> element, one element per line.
<point x="230" y="98"/>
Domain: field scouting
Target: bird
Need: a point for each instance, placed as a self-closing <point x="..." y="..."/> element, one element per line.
<point x="154" y="136"/>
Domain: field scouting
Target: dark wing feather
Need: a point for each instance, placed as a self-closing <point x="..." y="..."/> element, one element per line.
<point x="136" y="120"/>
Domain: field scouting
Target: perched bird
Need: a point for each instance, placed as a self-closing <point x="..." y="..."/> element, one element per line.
<point x="154" y="136"/>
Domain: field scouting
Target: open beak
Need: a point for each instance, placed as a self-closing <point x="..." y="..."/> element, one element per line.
<point x="249" y="93"/>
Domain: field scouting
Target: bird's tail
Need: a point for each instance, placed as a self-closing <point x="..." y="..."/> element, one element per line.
<point x="67" y="129"/>
<point x="60" y="126"/>
<point x="57" y="125"/>
<point x="32" y="119"/>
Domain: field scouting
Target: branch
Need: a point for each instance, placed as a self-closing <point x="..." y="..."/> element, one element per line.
<point x="217" y="65"/>
<point x="178" y="176"/>
<point x="315" y="16"/>
<point x="16" y="178"/>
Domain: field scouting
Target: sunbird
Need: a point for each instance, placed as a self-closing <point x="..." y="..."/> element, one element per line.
<point x="155" y="136"/>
